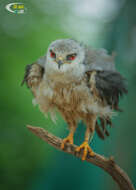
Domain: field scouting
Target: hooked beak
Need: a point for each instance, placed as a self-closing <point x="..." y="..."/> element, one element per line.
<point x="60" y="62"/>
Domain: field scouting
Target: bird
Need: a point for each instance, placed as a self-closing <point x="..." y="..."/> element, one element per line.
<point x="81" y="83"/>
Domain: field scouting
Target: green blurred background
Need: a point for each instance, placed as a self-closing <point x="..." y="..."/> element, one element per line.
<point x="26" y="162"/>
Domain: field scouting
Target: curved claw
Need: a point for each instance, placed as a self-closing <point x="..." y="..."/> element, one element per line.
<point x="68" y="139"/>
<point x="86" y="148"/>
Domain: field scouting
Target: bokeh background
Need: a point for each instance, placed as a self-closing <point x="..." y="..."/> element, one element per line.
<point x="26" y="162"/>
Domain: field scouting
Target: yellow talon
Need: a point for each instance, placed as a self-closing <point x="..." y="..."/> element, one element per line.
<point x="86" y="148"/>
<point x="68" y="139"/>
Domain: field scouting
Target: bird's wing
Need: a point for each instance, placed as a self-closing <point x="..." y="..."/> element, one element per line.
<point x="107" y="85"/>
<point x="101" y="73"/>
<point x="98" y="60"/>
<point x="42" y="61"/>
<point x="33" y="70"/>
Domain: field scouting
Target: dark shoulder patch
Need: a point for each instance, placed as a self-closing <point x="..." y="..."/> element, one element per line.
<point x="111" y="86"/>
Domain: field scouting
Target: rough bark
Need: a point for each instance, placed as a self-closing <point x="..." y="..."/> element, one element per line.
<point x="107" y="164"/>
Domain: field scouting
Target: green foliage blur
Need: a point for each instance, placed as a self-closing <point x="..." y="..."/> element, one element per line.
<point x="26" y="162"/>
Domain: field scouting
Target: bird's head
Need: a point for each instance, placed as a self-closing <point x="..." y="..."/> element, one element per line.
<point x="65" y="55"/>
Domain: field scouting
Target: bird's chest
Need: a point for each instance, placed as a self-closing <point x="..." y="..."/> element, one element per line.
<point x="64" y="96"/>
<point x="70" y="97"/>
<point x="74" y="96"/>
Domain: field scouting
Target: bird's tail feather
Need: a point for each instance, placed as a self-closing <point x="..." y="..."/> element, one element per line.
<point x="101" y="127"/>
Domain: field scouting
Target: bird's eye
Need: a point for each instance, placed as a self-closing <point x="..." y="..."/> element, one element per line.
<point x="52" y="54"/>
<point x="71" y="57"/>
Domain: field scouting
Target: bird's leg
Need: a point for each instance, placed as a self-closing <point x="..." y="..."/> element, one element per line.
<point x="69" y="138"/>
<point x="85" y="146"/>
<point x="69" y="118"/>
<point x="88" y="136"/>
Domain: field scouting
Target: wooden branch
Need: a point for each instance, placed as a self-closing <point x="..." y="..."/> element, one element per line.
<point x="107" y="164"/>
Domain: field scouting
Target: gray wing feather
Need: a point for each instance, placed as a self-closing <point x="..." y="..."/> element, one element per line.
<point x="99" y="60"/>
<point x="42" y="61"/>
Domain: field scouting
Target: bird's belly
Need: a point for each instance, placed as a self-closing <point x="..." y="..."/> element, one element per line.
<point x="79" y="101"/>
<point x="72" y="98"/>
